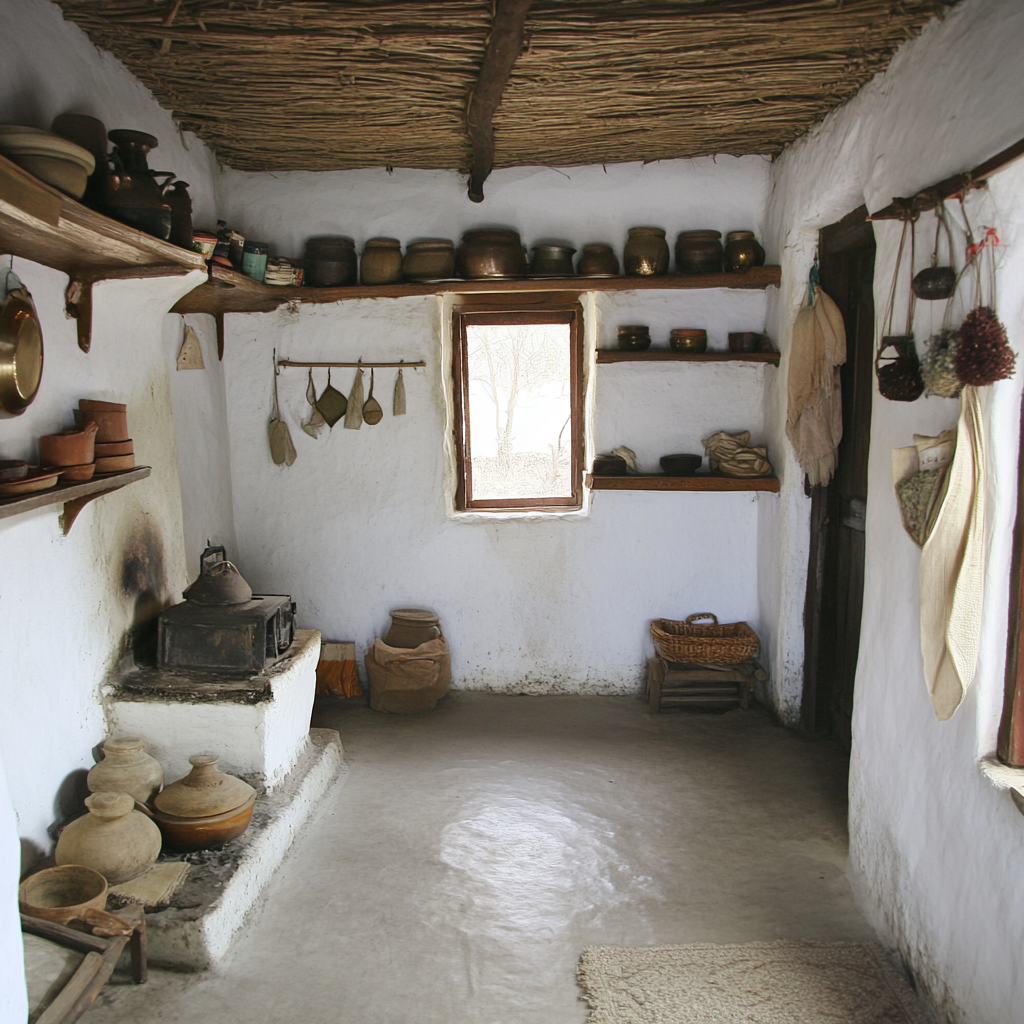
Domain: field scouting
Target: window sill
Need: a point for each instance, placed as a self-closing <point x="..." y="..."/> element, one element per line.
<point x="1004" y="777"/>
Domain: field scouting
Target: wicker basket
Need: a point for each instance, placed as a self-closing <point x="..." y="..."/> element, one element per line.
<point x="727" y="644"/>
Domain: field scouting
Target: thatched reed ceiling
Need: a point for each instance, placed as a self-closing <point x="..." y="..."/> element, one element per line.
<point x="326" y="84"/>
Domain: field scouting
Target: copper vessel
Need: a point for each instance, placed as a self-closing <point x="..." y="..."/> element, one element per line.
<point x="646" y="252"/>
<point x="490" y="253"/>
<point x="598" y="260"/>
<point x="634" y="337"/>
<point x="742" y="251"/>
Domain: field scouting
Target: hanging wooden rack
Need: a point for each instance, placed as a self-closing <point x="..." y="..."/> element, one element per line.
<point x="366" y="366"/>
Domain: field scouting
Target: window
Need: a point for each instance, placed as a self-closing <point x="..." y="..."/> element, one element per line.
<point x="518" y="408"/>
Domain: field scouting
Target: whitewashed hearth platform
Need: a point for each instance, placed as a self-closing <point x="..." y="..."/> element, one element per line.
<point x="257" y="725"/>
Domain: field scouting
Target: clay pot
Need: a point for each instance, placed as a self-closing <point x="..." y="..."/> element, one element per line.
<point x="634" y="337"/>
<point x="113" y="838"/>
<point x="430" y="260"/>
<point x="699" y="252"/>
<point x="126" y="768"/>
<point x="552" y="261"/>
<point x="646" y="252"/>
<point x="598" y="260"/>
<point x="742" y="251"/>
<point x="381" y="262"/>
<point x="688" y="339"/>
<point x="115" y="463"/>
<point x="111" y="419"/>
<point x="188" y="834"/>
<point x="411" y="627"/>
<point x="204" y="792"/>
<point x="78" y="474"/>
<point x="72" y="448"/>
<point x="111" y="448"/>
<point x="490" y="253"/>
<point x="330" y="261"/>
<point x="744" y="341"/>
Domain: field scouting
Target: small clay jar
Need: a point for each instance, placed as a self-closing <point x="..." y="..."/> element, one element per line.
<point x="646" y="252"/>
<point x="699" y="252"/>
<point x="204" y="792"/>
<point x="113" y="838"/>
<point x="634" y="337"/>
<point x="598" y="260"/>
<point x="411" y="627"/>
<point x="381" y="262"/>
<point x="433" y="259"/>
<point x="126" y="768"/>
<point x="742" y="251"/>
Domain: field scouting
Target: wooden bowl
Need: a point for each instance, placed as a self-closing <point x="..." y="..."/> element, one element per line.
<point x="115" y="464"/>
<point x="681" y="465"/>
<point x="61" y="893"/>
<point x="188" y="834"/>
<point x="78" y="474"/>
<point x="109" y="448"/>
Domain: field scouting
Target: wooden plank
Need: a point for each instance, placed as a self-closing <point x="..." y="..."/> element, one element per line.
<point x="697" y="482"/>
<point x="1011" y="727"/>
<point x="70" y="937"/>
<point x="56" y="1012"/>
<point x="504" y="45"/>
<point x="232" y="292"/>
<point x="69" y="492"/>
<point x="662" y="355"/>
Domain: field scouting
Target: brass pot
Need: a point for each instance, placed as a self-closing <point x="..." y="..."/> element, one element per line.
<point x="433" y="259"/>
<point x="688" y="339"/>
<point x="646" y="252"/>
<point x="552" y="261"/>
<point x="742" y="251"/>
<point x="634" y="337"/>
<point x="491" y="252"/>
<point x="699" y="252"/>
<point x="598" y="260"/>
<point x="381" y="262"/>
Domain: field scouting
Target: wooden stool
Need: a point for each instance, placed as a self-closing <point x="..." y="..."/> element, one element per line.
<point x="674" y="684"/>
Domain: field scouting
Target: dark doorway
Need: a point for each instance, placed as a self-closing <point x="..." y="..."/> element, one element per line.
<point x="835" y="578"/>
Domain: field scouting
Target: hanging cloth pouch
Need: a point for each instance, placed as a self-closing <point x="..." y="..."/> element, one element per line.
<point x="354" y="415"/>
<point x="316" y="421"/>
<point x="398" y="406"/>
<point x="896" y="364"/>
<point x="332" y="404"/>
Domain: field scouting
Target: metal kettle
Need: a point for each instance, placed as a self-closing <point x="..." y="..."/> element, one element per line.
<point x="219" y="582"/>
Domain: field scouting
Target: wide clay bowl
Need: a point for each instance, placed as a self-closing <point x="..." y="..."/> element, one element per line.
<point x="188" y="834"/>
<point x="72" y="448"/>
<point x="106" y="450"/>
<point x="60" y="893"/>
<point x="78" y="474"/>
<point x="115" y="464"/>
<point x="681" y="465"/>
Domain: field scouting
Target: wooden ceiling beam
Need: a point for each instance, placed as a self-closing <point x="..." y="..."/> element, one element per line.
<point x="504" y="46"/>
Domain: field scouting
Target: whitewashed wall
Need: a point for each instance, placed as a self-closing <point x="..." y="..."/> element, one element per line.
<point x="68" y="604"/>
<point x="936" y="853"/>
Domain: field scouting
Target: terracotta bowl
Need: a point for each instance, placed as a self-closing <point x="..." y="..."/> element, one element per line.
<point x="109" y="448"/>
<point x="113" y="425"/>
<point x="78" y="474"/>
<point x="92" y="405"/>
<point x="72" y="448"/>
<point x="115" y="464"/>
<point x="60" y="893"/>
<point x="188" y="834"/>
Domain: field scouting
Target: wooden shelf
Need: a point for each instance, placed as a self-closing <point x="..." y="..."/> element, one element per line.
<point x="231" y="292"/>
<point x="613" y="355"/>
<point x="74" y="496"/>
<point x="697" y="482"/>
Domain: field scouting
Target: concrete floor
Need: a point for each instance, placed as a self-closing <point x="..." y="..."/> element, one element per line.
<point x="473" y="852"/>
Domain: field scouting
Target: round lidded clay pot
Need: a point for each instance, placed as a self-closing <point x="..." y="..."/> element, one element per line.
<point x="699" y="252"/>
<point x="381" y="262"/>
<point x="188" y="834"/>
<point x="742" y="251"/>
<point x="204" y="792"/>
<point x="688" y="339"/>
<point x="432" y="259"/>
<point x="646" y="252"/>
<point x="411" y="627"/>
<point x="634" y="337"/>
<point x="598" y="260"/>
<point x="126" y="768"/>
<point x="113" y="838"/>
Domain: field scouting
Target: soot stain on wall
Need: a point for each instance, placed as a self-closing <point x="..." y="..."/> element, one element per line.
<point x="144" y="581"/>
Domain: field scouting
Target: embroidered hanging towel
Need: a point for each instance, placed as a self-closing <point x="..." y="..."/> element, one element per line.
<point x="814" y="418"/>
<point x="953" y="569"/>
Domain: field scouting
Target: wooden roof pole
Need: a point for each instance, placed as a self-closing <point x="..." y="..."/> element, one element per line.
<point x="503" y="48"/>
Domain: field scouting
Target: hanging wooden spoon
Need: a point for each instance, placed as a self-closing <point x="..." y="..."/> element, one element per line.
<point x="372" y="412"/>
<point x="282" y="450"/>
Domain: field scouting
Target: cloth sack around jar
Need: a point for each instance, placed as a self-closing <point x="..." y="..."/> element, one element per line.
<point x="405" y="680"/>
<point x="733" y="455"/>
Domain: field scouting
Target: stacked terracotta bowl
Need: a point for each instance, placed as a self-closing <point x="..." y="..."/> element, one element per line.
<point x="72" y="452"/>
<point x="115" y="451"/>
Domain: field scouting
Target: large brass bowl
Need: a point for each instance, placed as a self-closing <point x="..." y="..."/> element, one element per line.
<point x="21" y="353"/>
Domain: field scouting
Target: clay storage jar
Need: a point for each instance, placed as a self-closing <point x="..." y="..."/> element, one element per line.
<point x="381" y="262"/>
<point x="330" y="261"/>
<point x="699" y="252"/>
<point x="126" y="768"/>
<point x="742" y="251"/>
<point x="598" y="260"/>
<point x="491" y="252"/>
<point x="432" y="259"/>
<point x="634" y="337"/>
<point x="110" y="417"/>
<point x="411" y="627"/>
<point x="113" y="838"/>
<point x="646" y="252"/>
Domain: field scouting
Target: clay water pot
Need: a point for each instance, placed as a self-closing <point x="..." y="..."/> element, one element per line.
<point x="491" y="252"/>
<point x="72" y="448"/>
<point x="126" y="768"/>
<point x="646" y="252"/>
<point x="381" y="262"/>
<point x="188" y="834"/>
<point x="204" y="792"/>
<point x="742" y="251"/>
<point x="113" y="838"/>
<point x="411" y="627"/>
<point x="699" y="252"/>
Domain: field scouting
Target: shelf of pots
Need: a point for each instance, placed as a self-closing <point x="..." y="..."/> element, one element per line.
<point x="696" y="482"/>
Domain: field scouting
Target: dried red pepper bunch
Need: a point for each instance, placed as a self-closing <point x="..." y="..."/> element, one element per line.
<point x="983" y="355"/>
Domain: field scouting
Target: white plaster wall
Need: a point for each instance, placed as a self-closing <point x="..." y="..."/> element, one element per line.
<point x="49" y="67"/>
<point x="936" y="854"/>
<point x="13" y="995"/>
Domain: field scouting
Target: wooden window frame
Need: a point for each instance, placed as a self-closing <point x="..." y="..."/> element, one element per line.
<point x="537" y="310"/>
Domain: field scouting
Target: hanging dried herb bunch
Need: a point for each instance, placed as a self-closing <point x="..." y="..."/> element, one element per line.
<point x="983" y="354"/>
<point x="938" y="368"/>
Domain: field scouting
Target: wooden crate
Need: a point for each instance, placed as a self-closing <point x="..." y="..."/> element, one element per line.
<point x="672" y="684"/>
